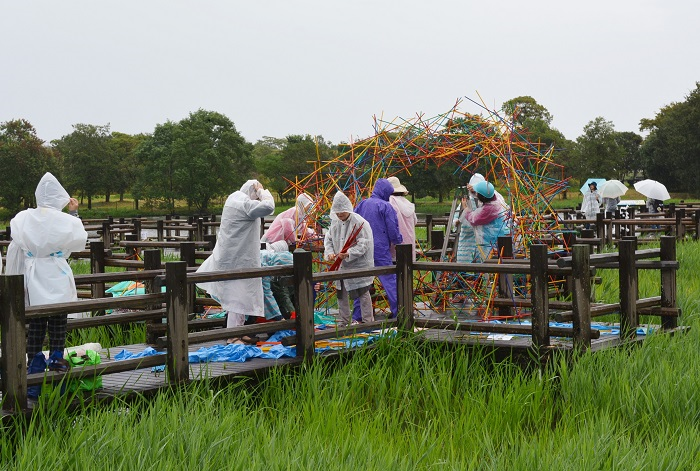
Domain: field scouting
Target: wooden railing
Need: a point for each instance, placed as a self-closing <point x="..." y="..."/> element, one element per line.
<point x="178" y="302"/>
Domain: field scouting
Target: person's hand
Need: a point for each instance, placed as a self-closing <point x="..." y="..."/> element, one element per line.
<point x="73" y="204"/>
<point x="464" y="202"/>
<point x="331" y="257"/>
<point x="343" y="256"/>
<point x="470" y="188"/>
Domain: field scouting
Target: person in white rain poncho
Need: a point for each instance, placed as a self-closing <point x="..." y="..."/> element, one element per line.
<point x="359" y="255"/>
<point x="238" y="246"/>
<point x="42" y="240"/>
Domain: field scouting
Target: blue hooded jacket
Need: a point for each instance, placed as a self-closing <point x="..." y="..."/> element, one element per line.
<point x="382" y="219"/>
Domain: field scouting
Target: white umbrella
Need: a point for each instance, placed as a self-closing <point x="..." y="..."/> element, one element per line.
<point x="612" y="189"/>
<point x="652" y="189"/>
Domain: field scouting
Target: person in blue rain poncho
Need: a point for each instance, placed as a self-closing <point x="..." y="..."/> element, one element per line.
<point x="278" y="304"/>
<point x="490" y="220"/>
<point x="42" y="241"/>
<point x="384" y="222"/>
<point x="238" y="246"/>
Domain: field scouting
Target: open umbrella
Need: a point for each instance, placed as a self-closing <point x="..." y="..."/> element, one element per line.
<point x="599" y="182"/>
<point x="612" y="189"/>
<point x="652" y="189"/>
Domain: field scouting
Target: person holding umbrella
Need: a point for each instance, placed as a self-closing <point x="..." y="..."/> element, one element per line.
<point x="591" y="202"/>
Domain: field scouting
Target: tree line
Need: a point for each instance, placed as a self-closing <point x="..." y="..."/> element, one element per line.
<point x="203" y="158"/>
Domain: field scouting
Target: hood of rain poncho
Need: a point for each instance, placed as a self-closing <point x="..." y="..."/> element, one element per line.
<point x="341" y="204"/>
<point x="304" y="204"/>
<point x="476" y="178"/>
<point x="50" y="194"/>
<point x="249" y="190"/>
<point x="402" y="206"/>
<point x="383" y="189"/>
<point x="279" y="246"/>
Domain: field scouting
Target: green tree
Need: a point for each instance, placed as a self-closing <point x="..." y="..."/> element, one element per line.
<point x="534" y="123"/>
<point x="525" y="109"/>
<point x="597" y="152"/>
<point x="87" y="159"/>
<point x="129" y="167"/>
<point x="197" y="159"/>
<point x="23" y="160"/>
<point x="267" y="156"/>
<point x="631" y="163"/>
<point x="671" y="152"/>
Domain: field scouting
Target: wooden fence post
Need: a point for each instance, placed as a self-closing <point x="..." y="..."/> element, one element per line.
<point x="539" y="295"/>
<point x="600" y="226"/>
<point x="581" y="296"/>
<point x="628" y="290"/>
<point x="14" y="343"/>
<point x="97" y="265"/>
<point x="187" y="254"/>
<point x="668" y="281"/>
<point x="505" y="281"/>
<point x="303" y="292"/>
<point x="680" y="226"/>
<point x="428" y="231"/>
<point x="631" y="229"/>
<point x="200" y="229"/>
<point x="151" y="261"/>
<point x="178" y="312"/>
<point x="404" y="285"/>
<point x="106" y="234"/>
<point x="131" y="252"/>
<point x="137" y="227"/>
<point x="159" y="230"/>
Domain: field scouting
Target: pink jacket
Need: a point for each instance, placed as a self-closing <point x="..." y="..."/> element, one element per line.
<point x="406" y="213"/>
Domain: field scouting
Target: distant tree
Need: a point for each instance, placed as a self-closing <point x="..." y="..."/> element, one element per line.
<point x="631" y="163"/>
<point x="283" y="161"/>
<point x="671" y="152"/>
<point x="267" y="158"/>
<point x="524" y="109"/>
<point x="534" y="123"/>
<point x="197" y="159"/>
<point x="129" y="167"/>
<point x="597" y="152"/>
<point x="87" y="159"/>
<point x="23" y="160"/>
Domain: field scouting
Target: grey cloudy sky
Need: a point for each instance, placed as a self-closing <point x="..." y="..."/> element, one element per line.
<point x="327" y="67"/>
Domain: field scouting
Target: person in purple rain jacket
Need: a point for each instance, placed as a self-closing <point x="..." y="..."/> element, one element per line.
<point x="384" y="222"/>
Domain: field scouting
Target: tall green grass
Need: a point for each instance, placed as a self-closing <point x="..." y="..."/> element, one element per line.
<point x="403" y="405"/>
<point x="399" y="406"/>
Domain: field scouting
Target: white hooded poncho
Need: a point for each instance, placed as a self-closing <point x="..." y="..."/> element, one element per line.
<point x="42" y="240"/>
<point x="238" y="246"/>
<point x="361" y="254"/>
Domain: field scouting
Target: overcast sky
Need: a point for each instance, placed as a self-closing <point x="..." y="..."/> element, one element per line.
<point x="327" y="67"/>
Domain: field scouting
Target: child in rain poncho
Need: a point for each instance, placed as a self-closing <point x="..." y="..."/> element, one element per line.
<point x="489" y="220"/>
<point x="360" y="255"/>
<point x="238" y="246"/>
<point x="278" y="303"/>
<point x="42" y="240"/>
<point x="291" y="224"/>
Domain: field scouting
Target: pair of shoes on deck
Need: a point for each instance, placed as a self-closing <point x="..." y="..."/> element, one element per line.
<point x="243" y="340"/>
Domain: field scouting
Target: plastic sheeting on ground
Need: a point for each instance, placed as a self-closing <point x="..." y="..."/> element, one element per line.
<point x="240" y="353"/>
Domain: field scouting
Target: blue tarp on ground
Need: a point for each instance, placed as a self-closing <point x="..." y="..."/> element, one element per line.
<point x="240" y="353"/>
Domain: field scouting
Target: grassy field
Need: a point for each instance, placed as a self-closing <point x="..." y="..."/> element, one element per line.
<point x="427" y="205"/>
<point x="407" y="406"/>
